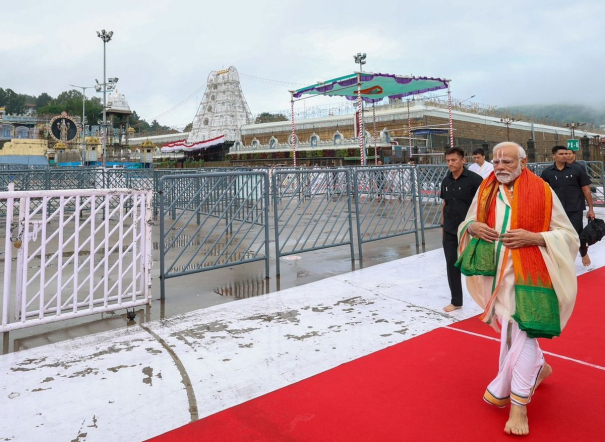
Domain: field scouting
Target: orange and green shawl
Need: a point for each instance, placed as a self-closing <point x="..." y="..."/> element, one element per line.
<point x="537" y="306"/>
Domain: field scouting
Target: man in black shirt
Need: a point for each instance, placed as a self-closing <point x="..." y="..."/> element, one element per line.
<point x="571" y="183"/>
<point x="458" y="189"/>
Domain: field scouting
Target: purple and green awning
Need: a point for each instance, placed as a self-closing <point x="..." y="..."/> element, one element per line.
<point x="371" y="87"/>
<point x="374" y="87"/>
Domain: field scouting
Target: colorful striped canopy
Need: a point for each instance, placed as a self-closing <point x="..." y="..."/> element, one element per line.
<point x="374" y="87"/>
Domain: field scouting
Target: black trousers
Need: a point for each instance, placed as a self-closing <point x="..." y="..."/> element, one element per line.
<point x="577" y="221"/>
<point x="454" y="277"/>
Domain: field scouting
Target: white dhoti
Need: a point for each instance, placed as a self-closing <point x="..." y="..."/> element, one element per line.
<point x="521" y="361"/>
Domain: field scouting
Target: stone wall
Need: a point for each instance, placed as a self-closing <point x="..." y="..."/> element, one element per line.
<point x="25" y="147"/>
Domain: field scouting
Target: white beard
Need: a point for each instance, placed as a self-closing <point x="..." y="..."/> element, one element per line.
<point x="509" y="177"/>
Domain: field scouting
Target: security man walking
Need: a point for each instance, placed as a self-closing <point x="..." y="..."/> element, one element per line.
<point x="458" y="189"/>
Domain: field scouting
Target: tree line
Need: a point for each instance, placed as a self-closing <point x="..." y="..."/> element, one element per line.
<point x="70" y="101"/>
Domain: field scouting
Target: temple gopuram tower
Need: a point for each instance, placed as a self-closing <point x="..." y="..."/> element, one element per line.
<point x="223" y="109"/>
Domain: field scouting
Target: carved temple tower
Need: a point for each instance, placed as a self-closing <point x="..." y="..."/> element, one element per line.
<point x="223" y="109"/>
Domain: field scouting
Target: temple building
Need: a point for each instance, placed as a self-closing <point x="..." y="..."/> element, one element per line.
<point x="397" y="131"/>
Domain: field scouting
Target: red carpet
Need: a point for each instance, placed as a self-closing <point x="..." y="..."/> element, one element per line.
<point x="426" y="389"/>
<point x="584" y="336"/>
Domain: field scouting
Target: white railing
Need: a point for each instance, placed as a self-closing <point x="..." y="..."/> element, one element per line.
<point x="75" y="253"/>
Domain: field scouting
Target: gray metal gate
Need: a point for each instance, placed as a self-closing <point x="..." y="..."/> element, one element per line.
<point x="385" y="203"/>
<point x="596" y="172"/>
<point x="428" y="179"/>
<point x="212" y="220"/>
<point x="312" y="211"/>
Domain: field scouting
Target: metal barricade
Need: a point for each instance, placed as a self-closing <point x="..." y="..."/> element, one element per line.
<point x="312" y="211"/>
<point x="538" y="168"/>
<point x="428" y="185"/>
<point x="22" y="180"/>
<point x="73" y="263"/>
<point x="66" y="179"/>
<point x="71" y="179"/>
<point x="596" y="172"/>
<point x="25" y="180"/>
<point x="212" y="220"/>
<point x="384" y="203"/>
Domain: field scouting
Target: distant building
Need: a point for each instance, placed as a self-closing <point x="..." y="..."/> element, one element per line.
<point x="18" y="126"/>
<point x="331" y="139"/>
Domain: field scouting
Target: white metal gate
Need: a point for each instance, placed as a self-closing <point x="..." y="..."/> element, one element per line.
<point x="72" y="253"/>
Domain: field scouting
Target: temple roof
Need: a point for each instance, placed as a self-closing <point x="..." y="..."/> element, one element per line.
<point x="117" y="104"/>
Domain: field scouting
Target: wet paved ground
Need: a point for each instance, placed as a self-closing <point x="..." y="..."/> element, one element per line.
<point x="185" y="294"/>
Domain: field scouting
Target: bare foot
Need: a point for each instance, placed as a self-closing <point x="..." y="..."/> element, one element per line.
<point x="586" y="260"/>
<point x="451" y="308"/>
<point x="546" y="372"/>
<point x="517" y="421"/>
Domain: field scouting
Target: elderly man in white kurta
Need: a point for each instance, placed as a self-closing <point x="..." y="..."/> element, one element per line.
<point x="517" y="249"/>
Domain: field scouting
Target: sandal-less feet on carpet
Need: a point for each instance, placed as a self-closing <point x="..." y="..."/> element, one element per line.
<point x="451" y="308"/>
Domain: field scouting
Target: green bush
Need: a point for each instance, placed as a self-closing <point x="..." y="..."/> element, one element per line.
<point x="193" y="164"/>
<point x="166" y="165"/>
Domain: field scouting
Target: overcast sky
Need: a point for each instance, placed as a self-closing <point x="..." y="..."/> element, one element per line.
<point x="503" y="52"/>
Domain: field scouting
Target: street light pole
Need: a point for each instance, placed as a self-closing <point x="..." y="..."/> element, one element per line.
<point x="507" y="121"/>
<point x="361" y="60"/>
<point x="573" y="126"/>
<point x="466" y="99"/>
<point x="106" y="37"/>
<point x="83" y="120"/>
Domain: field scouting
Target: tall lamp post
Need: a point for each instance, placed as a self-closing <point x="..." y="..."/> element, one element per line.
<point x="106" y="37"/>
<point x="360" y="59"/>
<point x="83" y="120"/>
<point x="573" y="126"/>
<point x="507" y="122"/>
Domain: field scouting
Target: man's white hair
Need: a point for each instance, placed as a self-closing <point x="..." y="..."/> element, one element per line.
<point x="520" y="150"/>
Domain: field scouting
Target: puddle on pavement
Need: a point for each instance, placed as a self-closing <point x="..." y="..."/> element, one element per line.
<point x="244" y="289"/>
<point x="181" y="242"/>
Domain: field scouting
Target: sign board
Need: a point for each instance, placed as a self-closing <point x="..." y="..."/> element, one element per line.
<point x="573" y="145"/>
